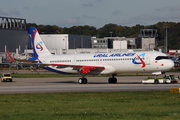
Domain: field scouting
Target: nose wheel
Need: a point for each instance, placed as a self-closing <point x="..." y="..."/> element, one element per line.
<point x="156" y="81"/>
<point x="82" y="80"/>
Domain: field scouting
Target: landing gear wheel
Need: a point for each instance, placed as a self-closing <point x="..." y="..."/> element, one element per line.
<point x="156" y="81"/>
<point x="115" y="80"/>
<point x="85" y="80"/>
<point x="112" y="80"/>
<point x="82" y="80"/>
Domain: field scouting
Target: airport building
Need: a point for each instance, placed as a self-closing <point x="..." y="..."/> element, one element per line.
<point x="114" y="43"/>
<point x="148" y="38"/>
<point x="66" y="41"/>
<point x="13" y="34"/>
<point x="61" y="43"/>
<point x="70" y="44"/>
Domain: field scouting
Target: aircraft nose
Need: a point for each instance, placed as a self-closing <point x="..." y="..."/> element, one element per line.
<point x="170" y="65"/>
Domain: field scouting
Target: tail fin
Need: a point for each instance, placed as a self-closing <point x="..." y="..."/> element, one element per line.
<point x="10" y="56"/>
<point x="39" y="47"/>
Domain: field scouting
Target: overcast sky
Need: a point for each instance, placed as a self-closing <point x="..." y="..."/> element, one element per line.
<point x="97" y="13"/>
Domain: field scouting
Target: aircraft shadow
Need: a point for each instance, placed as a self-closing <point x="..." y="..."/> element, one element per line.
<point x="63" y="82"/>
<point x="129" y="83"/>
<point x="114" y="83"/>
<point x="74" y="82"/>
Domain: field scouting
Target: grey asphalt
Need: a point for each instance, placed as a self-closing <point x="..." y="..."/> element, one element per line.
<point x="70" y="84"/>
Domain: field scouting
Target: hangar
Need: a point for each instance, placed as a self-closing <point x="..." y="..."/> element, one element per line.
<point x="13" y="34"/>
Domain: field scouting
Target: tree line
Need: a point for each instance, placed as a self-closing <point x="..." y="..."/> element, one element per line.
<point x="115" y="30"/>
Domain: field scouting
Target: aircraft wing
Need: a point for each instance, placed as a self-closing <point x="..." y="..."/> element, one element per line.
<point x="84" y="68"/>
<point x="27" y="61"/>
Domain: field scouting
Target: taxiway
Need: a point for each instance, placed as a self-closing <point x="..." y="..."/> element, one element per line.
<point x="70" y="84"/>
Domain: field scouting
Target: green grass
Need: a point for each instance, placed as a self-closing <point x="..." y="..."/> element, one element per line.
<point x="142" y="105"/>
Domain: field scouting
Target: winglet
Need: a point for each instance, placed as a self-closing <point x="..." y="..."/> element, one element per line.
<point x="9" y="56"/>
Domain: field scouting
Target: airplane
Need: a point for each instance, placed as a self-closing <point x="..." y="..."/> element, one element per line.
<point x="99" y="63"/>
<point x="23" y="59"/>
<point x="14" y="63"/>
<point x="19" y="62"/>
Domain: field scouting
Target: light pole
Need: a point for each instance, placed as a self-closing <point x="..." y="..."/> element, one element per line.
<point x="120" y="44"/>
<point x="167" y="27"/>
<point x="74" y="43"/>
<point x="111" y="34"/>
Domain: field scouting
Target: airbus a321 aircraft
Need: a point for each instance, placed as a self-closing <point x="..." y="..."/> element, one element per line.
<point x="99" y="63"/>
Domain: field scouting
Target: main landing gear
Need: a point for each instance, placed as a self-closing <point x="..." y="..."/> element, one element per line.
<point x="112" y="79"/>
<point x="84" y="80"/>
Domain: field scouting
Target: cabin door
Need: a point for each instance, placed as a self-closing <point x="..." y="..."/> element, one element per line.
<point x="74" y="61"/>
<point x="147" y="59"/>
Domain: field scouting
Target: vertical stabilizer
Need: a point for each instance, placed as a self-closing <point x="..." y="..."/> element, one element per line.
<point x="39" y="47"/>
<point x="10" y="56"/>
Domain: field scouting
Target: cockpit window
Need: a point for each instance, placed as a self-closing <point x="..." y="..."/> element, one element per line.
<point x="162" y="57"/>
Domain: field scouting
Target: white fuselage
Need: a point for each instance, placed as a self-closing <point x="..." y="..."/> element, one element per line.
<point x="114" y="63"/>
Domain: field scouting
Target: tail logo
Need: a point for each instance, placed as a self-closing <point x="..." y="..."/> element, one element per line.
<point x="139" y="57"/>
<point x="39" y="46"/>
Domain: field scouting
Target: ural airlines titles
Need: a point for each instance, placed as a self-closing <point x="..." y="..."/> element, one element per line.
<point x="114" y="55"/>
